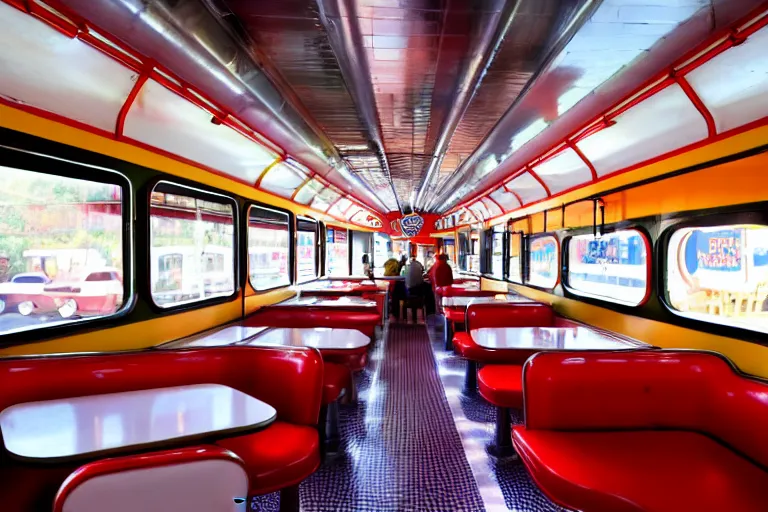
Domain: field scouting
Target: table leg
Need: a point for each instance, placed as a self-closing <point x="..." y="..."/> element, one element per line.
<point x="289" y="499"/>
<point x="502" y="446"/>
<point x="448" y="334"/>
<point x="331" y="425"/>
<point x="470" y="379"/>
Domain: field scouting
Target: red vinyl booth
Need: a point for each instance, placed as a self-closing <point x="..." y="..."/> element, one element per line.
<point x="645" y="431"/>
<point x="278" y="457"/>
<point x="522" y="314"/>
<point x="307" y="316"/>
<point x="455" y="316"/>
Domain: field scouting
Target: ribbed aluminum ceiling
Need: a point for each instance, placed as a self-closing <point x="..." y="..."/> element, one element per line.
<point x="429" y="101"/>
<point x="402" y="85"/>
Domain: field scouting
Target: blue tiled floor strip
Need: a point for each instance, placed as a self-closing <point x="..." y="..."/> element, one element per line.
<point x="414" y="442"/>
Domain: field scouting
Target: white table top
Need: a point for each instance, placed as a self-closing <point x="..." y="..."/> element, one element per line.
<point x="550" y="338"/>
<point x="313" y="337"/>
<point x="99" y="425"/>
<point x="463" y="302"/>
<point x="231" y="335"/>
<point x="340" y="302"/>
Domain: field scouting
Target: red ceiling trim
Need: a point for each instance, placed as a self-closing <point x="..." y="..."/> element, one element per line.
<point x="73" y="25"/>
<point x="718" y="43"/>
<point x="541" y="181"/>
<point x="303" y="184"/>
<point x="517" y="196"/>
<point x="140" y="81"/>
<point x="696" y="100"/>
<point x="584" y="159"/>
<point x="268" y="168"/>
<point x="494" y="202"/>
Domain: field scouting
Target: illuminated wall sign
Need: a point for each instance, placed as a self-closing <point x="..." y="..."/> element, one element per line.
<point x="411" y="224"/>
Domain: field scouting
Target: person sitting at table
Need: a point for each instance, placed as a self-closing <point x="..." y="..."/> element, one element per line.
<point x="391" y="268"/>
<point x="367" y="270"/>
<point x="401" y="265"/>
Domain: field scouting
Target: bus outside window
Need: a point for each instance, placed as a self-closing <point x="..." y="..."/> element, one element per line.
<point x="543" y="262"/>
<point x="612" y="267"/>
<point x="191" y="246"/>
<point x="269" y="238"/>
<point x="61" y="250"/>
<point x="720" y="274"/>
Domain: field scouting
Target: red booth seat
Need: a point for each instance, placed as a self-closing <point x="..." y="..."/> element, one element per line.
<point x="504" y="315"/>
<point x="252" y="370"/>
<point x="651" y="431"/>
<point x="338" y="318"/>
<point x="501" y="385"/>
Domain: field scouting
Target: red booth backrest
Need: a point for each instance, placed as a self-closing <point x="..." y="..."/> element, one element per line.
<point x="252" y="370"/>
<point x="510" y="315"/>
<point x="451" y="291"/>
<point x="338" y="318"/>
<point x="695" y="391"/>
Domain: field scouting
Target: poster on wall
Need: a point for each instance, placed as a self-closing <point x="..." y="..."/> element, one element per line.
<point x="718" y="250"/>
<point x="340" y="236"/>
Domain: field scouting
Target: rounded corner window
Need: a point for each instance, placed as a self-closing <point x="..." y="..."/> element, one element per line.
<point x="65" y="248"/>
<point x="192" y="245"/>
<point x="543" y="262"/>
<point x="269" y="241"/>
<point x="718" y="274"/>
<point x="614" y="267"/>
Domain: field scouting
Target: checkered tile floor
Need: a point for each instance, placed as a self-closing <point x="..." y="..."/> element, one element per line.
<point x="414" y="442"/>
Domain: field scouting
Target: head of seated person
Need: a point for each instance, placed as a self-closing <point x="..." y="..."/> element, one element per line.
<point x="391" y="268"/>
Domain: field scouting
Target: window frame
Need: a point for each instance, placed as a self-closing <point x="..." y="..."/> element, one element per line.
<point x="754" y="213"/>
<point x="205" y="194"/>
<point x="31" y="161"/>
<point x="292" y="239"/>
<point x="523" y="255"/>
<point x="527" y="265"/>
<point x="318" y="234"/>
<point x="606" y="230"/>
<point x="488" y="249"/>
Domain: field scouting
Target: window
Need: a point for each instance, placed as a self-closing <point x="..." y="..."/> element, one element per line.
<point x="337" y="252"/>
<point x="192" y="245"/>
<point x="464" y="250"/>
<point x="613" y="267"/>
<point x="56" y="234"/>
<point x="543" y="261"/>
<point x="719" y="274"/>
<point x="306" y="250"/>
<point x="473" y="260"/>
<point x="515" y="257"/>
<point x="497" y="252"/>
<point x="269" y="240"/>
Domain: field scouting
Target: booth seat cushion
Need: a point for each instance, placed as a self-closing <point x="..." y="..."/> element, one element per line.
<point x="643" y="470"/>
<point x="279" y="456"/>
<point x="502" y="385"/>
<point x="336" y="378"/>
<point x="455" y="315"/>
<point x="354" y="359"/>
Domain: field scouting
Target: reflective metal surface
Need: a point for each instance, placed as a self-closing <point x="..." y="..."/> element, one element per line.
<point x="195" y="41"/>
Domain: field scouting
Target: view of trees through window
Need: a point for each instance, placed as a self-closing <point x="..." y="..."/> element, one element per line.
<point x="191" y="247"/>
<point x="61" y="249"/>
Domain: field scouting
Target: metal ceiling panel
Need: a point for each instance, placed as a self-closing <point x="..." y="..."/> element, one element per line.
<point x="625" y="43"/>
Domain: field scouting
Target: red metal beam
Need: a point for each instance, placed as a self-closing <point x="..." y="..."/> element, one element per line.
<point x="537" y="178"/>
<point x="584" y="158"/>
<point x="140" y="81"/>
<point x="696" y="100"/>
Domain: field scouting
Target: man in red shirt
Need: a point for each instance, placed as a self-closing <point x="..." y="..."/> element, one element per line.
<point x="440" y="274"/>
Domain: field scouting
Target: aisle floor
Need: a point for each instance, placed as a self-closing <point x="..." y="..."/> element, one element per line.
<point x="413" y="441"/>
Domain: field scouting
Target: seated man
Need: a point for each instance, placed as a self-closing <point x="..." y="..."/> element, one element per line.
<point x="441" y="273"/>
<point x="414" y="277"/>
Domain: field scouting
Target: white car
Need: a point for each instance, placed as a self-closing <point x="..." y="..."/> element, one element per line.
<point x="99" y="291"/>
<point x="22" y="291"/>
